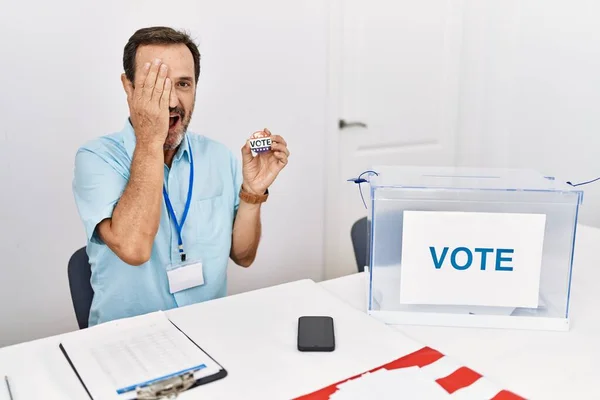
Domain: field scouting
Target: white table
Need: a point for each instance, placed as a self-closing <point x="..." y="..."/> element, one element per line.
<point x="536" y="364"/>
<point x="253" y="336"/>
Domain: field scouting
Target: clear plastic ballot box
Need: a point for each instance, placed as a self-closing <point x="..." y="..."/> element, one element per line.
<point x="470" y="247"/>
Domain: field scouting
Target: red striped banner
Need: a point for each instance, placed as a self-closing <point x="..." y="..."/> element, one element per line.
<point x="434" y="363"/>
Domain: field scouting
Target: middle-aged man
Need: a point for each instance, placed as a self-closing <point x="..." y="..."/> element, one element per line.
<point x="163" y="208"/>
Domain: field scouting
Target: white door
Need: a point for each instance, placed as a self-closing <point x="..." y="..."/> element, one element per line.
<point x="394" y="81"/>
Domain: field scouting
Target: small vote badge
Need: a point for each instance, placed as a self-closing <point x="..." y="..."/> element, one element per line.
<point x="260" y="142"/>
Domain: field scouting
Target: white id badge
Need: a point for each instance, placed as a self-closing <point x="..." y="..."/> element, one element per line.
<point x="185" y="277"/>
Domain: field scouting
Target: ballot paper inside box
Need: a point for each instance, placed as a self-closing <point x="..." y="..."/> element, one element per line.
<point x="470" y="247"/>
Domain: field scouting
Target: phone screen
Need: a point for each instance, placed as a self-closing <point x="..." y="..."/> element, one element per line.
<point x="315" y="333"/>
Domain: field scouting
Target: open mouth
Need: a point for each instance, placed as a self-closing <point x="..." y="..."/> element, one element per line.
<point x="173" y="121"/>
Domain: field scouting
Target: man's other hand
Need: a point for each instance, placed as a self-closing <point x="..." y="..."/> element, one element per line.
<point x="261" y="170"/>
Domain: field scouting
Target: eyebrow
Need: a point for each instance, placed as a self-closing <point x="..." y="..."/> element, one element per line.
<point x="186" y="79"/>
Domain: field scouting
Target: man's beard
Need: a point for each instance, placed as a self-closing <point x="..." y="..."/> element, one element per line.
<point x="175" y="138"/>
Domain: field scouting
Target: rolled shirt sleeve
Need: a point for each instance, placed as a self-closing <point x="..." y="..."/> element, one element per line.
<point x="97" y="187"/>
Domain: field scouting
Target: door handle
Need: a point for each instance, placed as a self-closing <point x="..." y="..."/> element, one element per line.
<point x="344" y="124"/>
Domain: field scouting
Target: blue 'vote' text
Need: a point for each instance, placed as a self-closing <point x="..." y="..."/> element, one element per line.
<point x="502" y="256"/>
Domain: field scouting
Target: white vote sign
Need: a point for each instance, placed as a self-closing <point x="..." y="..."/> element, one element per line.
<point x="470" y="258"/>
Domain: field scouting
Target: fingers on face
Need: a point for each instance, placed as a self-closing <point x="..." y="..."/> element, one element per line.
<point x="160" y="82"/>
<point x="150" y="81"/>
<point x="166" y="95"/>
<point x="173" y="100"/>
<point x="140" y="78"/>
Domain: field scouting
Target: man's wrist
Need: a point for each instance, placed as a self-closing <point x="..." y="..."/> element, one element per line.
<point x="252" y="197"/>
<point x="151" y="147"/>
<point x="248" y="189"/>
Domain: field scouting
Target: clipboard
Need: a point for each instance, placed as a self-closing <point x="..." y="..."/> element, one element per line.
<point x="164" y="387"/>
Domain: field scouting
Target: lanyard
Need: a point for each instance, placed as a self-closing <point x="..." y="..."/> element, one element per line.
<point x="178" y="226"/>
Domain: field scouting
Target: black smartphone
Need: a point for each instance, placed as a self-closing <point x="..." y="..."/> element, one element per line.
<point x="315" y="333"/>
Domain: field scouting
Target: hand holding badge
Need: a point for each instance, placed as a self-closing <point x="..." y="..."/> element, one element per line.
<point x="260" y="141"/>
<point x="263" y="156"/>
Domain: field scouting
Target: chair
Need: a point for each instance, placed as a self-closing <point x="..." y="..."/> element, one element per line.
<point x="360" y="234"/>
<point x="79" y="271"/>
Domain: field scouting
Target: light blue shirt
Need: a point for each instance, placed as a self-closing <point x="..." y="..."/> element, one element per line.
<point x="102" y="168"/>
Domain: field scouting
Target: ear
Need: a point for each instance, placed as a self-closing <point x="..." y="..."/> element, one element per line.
<point x="127" y="86"/>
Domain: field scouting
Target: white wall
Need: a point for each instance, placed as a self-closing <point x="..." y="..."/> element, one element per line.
<point x="530" y="87"/>
<point x="263" y="65"/>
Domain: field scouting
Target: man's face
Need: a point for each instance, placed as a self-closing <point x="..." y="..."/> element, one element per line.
<point x="183" y="94"/>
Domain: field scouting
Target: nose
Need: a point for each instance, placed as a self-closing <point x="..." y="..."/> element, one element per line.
<point x="173" y="100"/>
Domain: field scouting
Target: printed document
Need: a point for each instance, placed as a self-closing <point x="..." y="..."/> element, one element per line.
<point x="114" y="358"/>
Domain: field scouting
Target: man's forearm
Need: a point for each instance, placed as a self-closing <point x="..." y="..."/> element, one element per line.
<point x="136" y="218"/>
<point x="246" y="234"/>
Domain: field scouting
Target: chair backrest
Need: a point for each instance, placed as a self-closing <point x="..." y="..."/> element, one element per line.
<point x="80" y="272"/>
<point x="360" y="241"/>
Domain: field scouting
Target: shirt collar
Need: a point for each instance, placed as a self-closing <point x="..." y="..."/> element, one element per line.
<point x="129" y="143"/>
